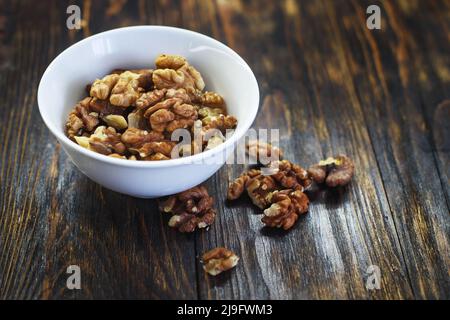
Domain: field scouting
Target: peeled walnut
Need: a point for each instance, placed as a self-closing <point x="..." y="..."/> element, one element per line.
<point x="334" y="172"/>
<point x="101" y="88"/>
<point x="160" y="119"/>
<point x="81" y="119"/>
<point x="175" y="72"/>
<point x="104" y="140"/>
<point x="259" y="190"/>
<point x="285" y="209"/>
<point x="171" y="115"/>
<point x="258" y="186"/>
<point x="148" y="106"/>
<point x="161" y="148"/>
<point x="170" y="61"/>
<point x="191" y="209"/>
<point x="290" y="175"/>
<point x="164" y="104"/>
<point x="212" y="99"/>
<point x="135" y="138"/>
<point x="179" y="94"/>
<point x="150" y="98"/>
<point x="218" y="260"/>
<point x="208" y="112"/>
<point x="126" y="91"/>
<point x="237" y="187"/>
<point x="221" y="122"/>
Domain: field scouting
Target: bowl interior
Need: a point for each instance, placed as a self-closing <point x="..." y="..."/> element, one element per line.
<point x="137" y="47"/>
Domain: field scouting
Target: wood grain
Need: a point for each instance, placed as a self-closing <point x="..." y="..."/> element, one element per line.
<point x="327" y="82"/>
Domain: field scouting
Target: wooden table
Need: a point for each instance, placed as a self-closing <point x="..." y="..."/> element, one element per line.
<point x="328" y="82"/>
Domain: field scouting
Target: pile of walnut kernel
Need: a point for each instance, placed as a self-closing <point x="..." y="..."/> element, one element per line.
<point x="279" y="189"/>
<point x="131" y="114"/>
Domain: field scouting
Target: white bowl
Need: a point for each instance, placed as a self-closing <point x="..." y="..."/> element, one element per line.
<point x="223" y="70"/>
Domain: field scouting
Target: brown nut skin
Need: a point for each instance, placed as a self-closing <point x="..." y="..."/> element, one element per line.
<point x="135" y="138"/>
<point x="191" y="209"/>
<point x="287" y="206"/>
<point x="164" y="104"/>
<point x="212" y="99"/>
<point x="101" y="88"/>
<point x="108" y="142"/>
<point x="219" y="260"/>
<point x="237" y="187"/>
<point x="259" y="190"/>
<point x="81" y="119"/>
<point x="290" y="175"/>
<point x="150" y="98"/>
<point x="147" y="106"/>
<point x="175" y="72"/>
<point x="335" y="172"/>
<point x="105" y="108"/>
<point x="170" y="61"/>
<point x="126" y="91"/>
<point x="160" y="119"/>
<point x="179" y="94"/>
<point x="157" y="150"/>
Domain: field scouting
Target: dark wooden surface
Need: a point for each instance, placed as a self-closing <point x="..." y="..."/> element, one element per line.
<point x="327" y="81"/>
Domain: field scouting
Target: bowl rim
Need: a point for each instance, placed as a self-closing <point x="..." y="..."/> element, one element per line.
<point x="200" y="158"/>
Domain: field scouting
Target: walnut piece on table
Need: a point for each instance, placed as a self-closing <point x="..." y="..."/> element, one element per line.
<point x="190" y="209"/>
<point x="279" y="194"/>
<point x="335" y="172"/>
<point x="219" y="260"/>
<point x="286" y="207"/>
<point x="290" y="175"/>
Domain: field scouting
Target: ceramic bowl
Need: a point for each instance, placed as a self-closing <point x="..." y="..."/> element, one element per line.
<point x="224" y="71"/>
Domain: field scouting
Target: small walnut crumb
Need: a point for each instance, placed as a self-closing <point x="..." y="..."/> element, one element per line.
<point x="218" y="260"/>
<point x="334" y="172"/>
<point x="191" y="209"/>
<point x="285" y="209"/>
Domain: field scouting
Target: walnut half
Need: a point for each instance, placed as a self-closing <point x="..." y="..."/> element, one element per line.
<point x="218" y="260"/>
<point x="191" y="209"/>
<point x="334" y="172"/>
